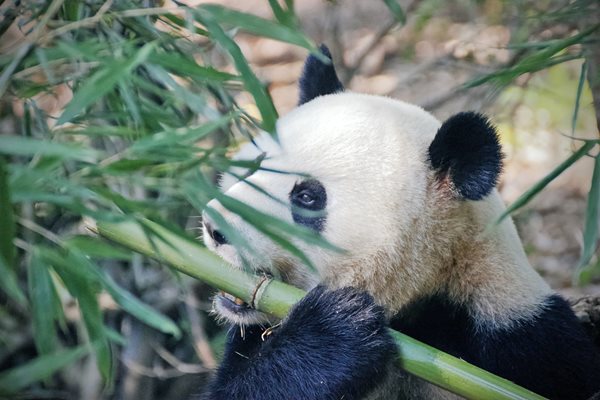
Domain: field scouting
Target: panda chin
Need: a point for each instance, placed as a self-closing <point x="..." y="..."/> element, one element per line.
<point x="236" y="311"/>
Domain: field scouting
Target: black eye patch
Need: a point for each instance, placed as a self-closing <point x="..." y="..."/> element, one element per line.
<point x="308" y="199"/>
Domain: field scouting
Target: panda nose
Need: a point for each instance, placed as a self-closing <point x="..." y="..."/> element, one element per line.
<point x="215" y="235"/>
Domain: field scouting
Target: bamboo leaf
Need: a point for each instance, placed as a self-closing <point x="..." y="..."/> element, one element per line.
<point x="539" y="186"/>
<point x="102" y="82"/>
<point x="43" y="305"/>
<point x="258" y="26"/>
<point x="182" y="135"/>
<point x="81" y="285"/>
<point x="10" y="284"/>
<point x="180" y="65"/>
<point x="251" y="82"/>
<point x="96" y="248"/>
<point x="18" y="378"/>
<point x="24" y="146"/>
<point x="285" y="17"/>
<point x="545" y="57"/>
<point x="590" y="233"/>
<point x="7" y="220"/>
<point x="126" y="300"/>
<point x="578" y="96"/>
<point x="396" y="9"/>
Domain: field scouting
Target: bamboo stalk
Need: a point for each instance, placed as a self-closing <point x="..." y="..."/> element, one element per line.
<point x="277" y="298"/>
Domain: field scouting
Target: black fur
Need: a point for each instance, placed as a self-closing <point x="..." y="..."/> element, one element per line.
<point x="333" y="345"/>
<point x="467" y="149"/>
<point x="550" y="355"/>
<point x="318" y="78"/>
<point x="309" y="199"/>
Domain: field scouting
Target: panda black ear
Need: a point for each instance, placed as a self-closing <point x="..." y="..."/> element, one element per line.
<point x="318" y="78"/>
<point x="467" y="152"/>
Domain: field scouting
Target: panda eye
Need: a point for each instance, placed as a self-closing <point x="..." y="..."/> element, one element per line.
<point x="309" y="201"/>
<point x="309" y="194"/>
<point x="306" y="198"/>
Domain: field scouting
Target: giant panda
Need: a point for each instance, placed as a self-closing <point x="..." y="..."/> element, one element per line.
<point x="411" y="201"/>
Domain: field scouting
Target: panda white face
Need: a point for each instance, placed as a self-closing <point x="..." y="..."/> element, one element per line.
<point x="352" y="167"/>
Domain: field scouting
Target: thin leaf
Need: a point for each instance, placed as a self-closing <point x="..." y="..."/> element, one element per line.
<point x="10" y="285"/>
<point x="130" y="101"/>
<point x="81" y="285"/>
<point x="8" y="71"/>
<point x="7" y="220"/>
<point x="253" y="85"/>
<point x="102" y="131"/>
<point x="24" y="146"/>
<point x="127" y="301"/>
<point x="535" y="189"/>
<point x="94" y="247"/>
<point x="285" y="17"/>
<point x="180" y="65"/>
<point x="396" y="9"/>
<point x="258" y="26"/>
<point x="16" y="379"/>
<point x="590" y="233"/>
<point x="543" y="58"/>
<point x="182" y="135"/>
<point x="578" y="96"/>
<point x="43" y="304"/>
<point x="102" y="82"/>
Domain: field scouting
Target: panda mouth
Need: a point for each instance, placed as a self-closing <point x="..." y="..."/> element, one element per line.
<point x="236" y="310"/>
<point x="232" y="303"/>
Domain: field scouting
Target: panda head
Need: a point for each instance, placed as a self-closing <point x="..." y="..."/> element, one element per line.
<point x="373" y="176"/>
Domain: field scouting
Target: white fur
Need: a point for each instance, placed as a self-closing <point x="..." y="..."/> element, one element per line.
<point x="404" y="235"/>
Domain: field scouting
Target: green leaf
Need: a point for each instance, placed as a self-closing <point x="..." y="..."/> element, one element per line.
<point x="24" y="146"/>
<point x="578" y="96"/>
<point x="285" y="17"/>
<point x="10" y="284"/>
<point x="127" y="301"/>
<point x="97" y="248"/>
<point x="130" y="101"/>
<point x="7" y="220"/>
<point x="8" y="71"/>
<point x="177" y="21"/>
<point x="86" y="273"/>
<point x="258" y="26"/>
<point x="535" y="189"/>
<point x="590" y="233"/>
<point x="43" y="304"/>
<point x="81" y="284"/>
<point x="551" y="54"/>
<point x="106" y="130"/>
<point x="185" y="67"/>
<point x="396" y="9"/>
<point x="102" y="82"/>
<point x="251" y="82"/>
<point x="188" y="136"/>
<point x="18" y="378"/>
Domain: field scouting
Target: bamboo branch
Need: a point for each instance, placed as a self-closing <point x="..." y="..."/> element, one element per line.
<point x="277" y="298"/>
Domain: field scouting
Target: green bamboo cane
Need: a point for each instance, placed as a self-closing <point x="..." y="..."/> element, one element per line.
<point x="277" y="298"/>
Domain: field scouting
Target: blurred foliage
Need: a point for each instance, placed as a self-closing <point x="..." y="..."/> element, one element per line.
<point x="580" y="16"/>
<point x="148" y="121"/>
<point x="123" y="110"/>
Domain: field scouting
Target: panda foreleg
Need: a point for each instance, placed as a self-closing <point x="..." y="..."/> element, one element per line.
<point x="332" y="345"/>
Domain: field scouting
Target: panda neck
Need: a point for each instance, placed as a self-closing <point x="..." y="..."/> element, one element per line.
<point x="485" y="266"/>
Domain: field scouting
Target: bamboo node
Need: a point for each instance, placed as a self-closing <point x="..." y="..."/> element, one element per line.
<point x="259" y="290"/>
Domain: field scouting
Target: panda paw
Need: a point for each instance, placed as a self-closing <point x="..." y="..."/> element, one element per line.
<point x="343" y="331"/>
<point x="341" y="312"/>
<point x="341" y="334"/>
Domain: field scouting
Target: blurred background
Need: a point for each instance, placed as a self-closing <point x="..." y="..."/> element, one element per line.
<point x="119" y="109"/>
